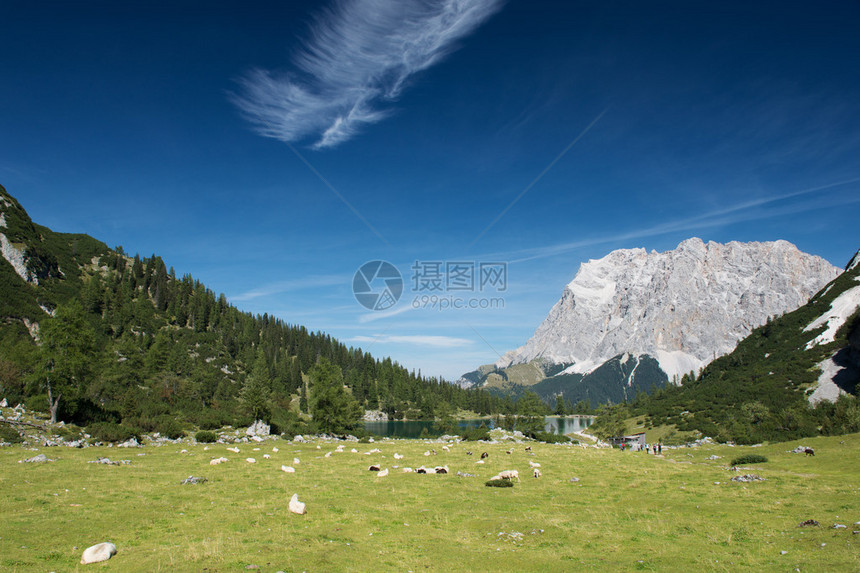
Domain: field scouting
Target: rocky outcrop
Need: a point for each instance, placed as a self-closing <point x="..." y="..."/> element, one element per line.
<point x="684" y="307"/>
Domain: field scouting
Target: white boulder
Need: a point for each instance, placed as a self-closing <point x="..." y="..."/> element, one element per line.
<point x="98" y="552"/>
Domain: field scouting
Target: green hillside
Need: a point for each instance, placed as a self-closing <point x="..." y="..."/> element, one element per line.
<point x="124" y="340"/>
<point x="760" y="390"/>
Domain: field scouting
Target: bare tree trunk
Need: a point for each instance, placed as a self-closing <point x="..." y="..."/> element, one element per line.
<point x="53" y="404"/>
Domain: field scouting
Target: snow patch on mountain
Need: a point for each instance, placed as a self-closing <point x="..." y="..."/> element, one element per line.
<point x="842" y="307"/>
<point x="684" y="307"/>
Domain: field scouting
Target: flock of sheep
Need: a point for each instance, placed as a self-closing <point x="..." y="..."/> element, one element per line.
<point x="298" y="507"/>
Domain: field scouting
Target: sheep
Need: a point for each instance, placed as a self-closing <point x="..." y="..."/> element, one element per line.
<point x="295" y="461"/>
<point x="446" y="448"/>
<point x="528" y="448"/>
<point x="398" y="456"/>
<point x="217" y="461"/>
<point x="441" y="469"/>
<point x="266" y="456"/>
<point x="251" y="460"/>
<point x="327" y="455"/>
<point x="374" y="468"/>
<point x="288" y="469"/>
<point x="509" y="452"/>
<point x="809" y="452"/>
<point x="468" y="453"/>
<point x="485" y="455"/>
<point x="275" y="449"/>
<point x="507" y="474"/>
<point x="234" y="450"/>
<point x="533" y="464"/>
<point x="536" y="472"/>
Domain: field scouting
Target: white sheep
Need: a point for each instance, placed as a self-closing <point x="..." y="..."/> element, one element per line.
<point x="288" y="469"/>
<point x="536" y="472"/>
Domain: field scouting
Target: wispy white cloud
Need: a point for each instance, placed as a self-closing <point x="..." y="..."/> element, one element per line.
<point x="420" y="340"/>
<point x="360" y="55"/>
<point x="279" y="287"/>
<point x="751" y="210"/>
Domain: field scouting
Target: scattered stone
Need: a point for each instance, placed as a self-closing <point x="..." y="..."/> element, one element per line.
<point x="98" y="552"/>
<point x="130" y="443"/>
<point x="299" y="439"/>
<point x="234" y="450"/>
<point x="839" y="526"/>
<point x="714" y="457"/>
<point x="382" y="473"/>
<point x="252" y="566"/>
<point x="217" y="461"/>
<point x="574" y="480"/>
<point x="809" y="523"/>
<point x="4" y="404"/>
<point x="258" y="429"/>
<point x="40" y="459"/>
<point x="783" y="552"/>
<point x="295" y="461"/>
<point x="288" y="469"/>
<point x="296" y="506"/>
<point x="194" y="480"/>
<point x="746" y="478"/>
<point x="108" y="462"/>
<point x="251" y="460"/>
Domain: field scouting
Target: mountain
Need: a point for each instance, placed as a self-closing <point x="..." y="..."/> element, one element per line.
<point x="667" y="313"/>
<point x="122" y="340"/>
<point x="794" y="376"/>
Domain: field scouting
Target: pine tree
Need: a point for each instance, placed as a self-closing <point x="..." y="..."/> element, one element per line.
<point x="332" y="407"/>
<point x="256" y="392"/>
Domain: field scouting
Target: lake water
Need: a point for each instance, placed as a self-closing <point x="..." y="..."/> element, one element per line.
<point x="413" y="429"/>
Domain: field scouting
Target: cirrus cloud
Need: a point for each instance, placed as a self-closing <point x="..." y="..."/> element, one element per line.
<point x="360" y="55"/>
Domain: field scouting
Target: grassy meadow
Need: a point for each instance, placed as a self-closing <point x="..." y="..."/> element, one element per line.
<point x="629" y="511"/>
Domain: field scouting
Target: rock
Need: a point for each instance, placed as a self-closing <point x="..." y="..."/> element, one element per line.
<point x="299" y="439"/>
<point x="288" y="469"/>
<point x="251" y="460"/>
<point x="234" y="450"/>
<point x="98" y="552"/>
<point x="296" y="506"/>
<point x="217" y="461"/>
<point x="839" y="526"/>
<point x="130" y="443"/>
<point x="375" y="416"/>
<point x="108" y="462"/>
<point x="574" y="480"/>
<point x="465" y="475"/>
<point x="809" y="523"/>
<point x="194" y="480"/>
<point x="3" y="404"/>
<point x="746" y="478"/>
<point x="384" y="473"/>
<point x="40" y="459"/>
<point x="295" y="461"/>
<point x="258" y="428"/>
<point x="714" y="457"/>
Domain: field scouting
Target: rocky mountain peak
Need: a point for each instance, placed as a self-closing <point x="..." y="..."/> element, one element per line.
<point x="684" y="307"/>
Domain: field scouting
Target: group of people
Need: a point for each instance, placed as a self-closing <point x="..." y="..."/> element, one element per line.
<point x="656" y="448"/>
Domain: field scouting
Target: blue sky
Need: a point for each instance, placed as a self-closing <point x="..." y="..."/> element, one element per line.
<point x="271" y="150"/>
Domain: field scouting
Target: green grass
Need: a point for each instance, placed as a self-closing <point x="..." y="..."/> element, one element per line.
<point x="628" y="511"/>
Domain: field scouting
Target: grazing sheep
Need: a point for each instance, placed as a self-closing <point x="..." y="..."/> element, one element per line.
<point x="295" y="461"/>
<point x="421" y="470"/>
<point x="275" y="449"/>
<point x="528" y="448"/>
<point x="485" y="455"/>
<point x="266" y="456"/>
<point x="509" y="452"/>
<point x="468" y="453"/>
<point x="398" y="457"/>
<point x="217" y="461"/>
<point x="353" y="450"/>
<point x="507" y="474"/>
<point x="98" y="552"/>
<point x="446" y="448"/>
<point x="251" y="460"/>
<point x="809" y="452"/>
<point x="327" y="454"/>
<point x="536" y="472"/>
<point x="533" y="464"/>
<point x="374" y="468"/>
<point x="296" y="506"/>
<point x="441" y="469"/>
